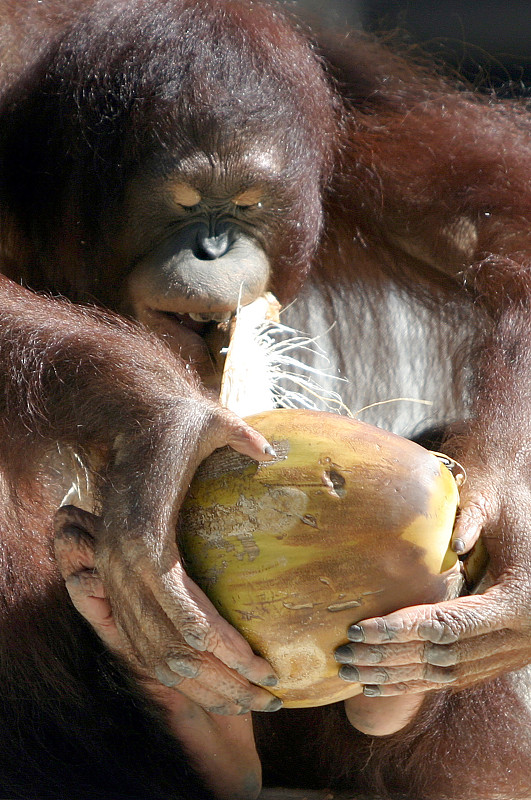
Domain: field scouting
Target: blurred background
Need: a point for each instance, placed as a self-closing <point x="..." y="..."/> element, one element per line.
<point x="487" y="41"/>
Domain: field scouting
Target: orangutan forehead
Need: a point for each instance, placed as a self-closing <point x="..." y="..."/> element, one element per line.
<point x="230" y="167"/>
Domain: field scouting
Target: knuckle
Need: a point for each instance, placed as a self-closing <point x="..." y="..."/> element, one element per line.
<point x="441" y="628"/>
<point x="220" y="420"/>
<point x="514" y="585"/>
<point x="120" y="559"/>
<point x="221" y="427"/>
<point x="89" y="581"/>
<point x="246" y="700"/>
<point x="380" y="675"/>
<point x="195" y="636"/>
<point x="402" y="687"/>
<point x="435" y="674"/>
<point x="368" y="654"/>
<point x="441" y="655"/>
<point x="479" y="504"/>
<point x="132" y="552"/>
<point x="385" y="629"/>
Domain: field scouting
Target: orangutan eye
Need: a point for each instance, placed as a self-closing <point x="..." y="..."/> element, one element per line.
<point x="185" y="195"/>
<point x="249" y="197"/>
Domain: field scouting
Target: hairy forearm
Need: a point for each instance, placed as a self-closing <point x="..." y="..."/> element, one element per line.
<point x="78" y="375"/>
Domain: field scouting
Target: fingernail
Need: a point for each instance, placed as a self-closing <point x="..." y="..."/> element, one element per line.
<point x="458" y="546"/>
<point x="349" y="673"/>
<point x="372" y="691"/>
<point x="184" y="667"/>
<point x="223" y="711"/>
<point x="274" y="705"/>
<point x="166" y="678"/>
<point x="271" y="680"/>
<point x="343" y="654"/>
<point x="355" y="633"/>
<point x="270" y="451"/>
<point x="195" y="641"/>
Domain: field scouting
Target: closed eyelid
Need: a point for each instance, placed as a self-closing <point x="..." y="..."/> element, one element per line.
<point x="185" y="195"/>
<point x="249" y="197"/>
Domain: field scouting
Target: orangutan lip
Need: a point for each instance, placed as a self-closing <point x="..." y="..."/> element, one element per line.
<point x="202" y="343"/>
<point x="187" y="321"/>
<point x="198" y="323"/>
<point x="222" y="316"/>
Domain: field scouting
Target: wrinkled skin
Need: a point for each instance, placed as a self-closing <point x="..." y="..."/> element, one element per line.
<point x="220" y="746"/>
<point x="462" y="641"/>
<point x="170" y="627"/>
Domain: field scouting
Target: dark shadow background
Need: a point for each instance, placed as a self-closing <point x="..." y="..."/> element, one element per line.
<point x="486" y="41"/>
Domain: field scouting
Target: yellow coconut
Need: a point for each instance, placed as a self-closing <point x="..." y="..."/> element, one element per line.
<point x="349" y="522"/>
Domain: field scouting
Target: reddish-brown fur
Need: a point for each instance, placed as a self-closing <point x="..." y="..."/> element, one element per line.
<point x="395" y="181"/>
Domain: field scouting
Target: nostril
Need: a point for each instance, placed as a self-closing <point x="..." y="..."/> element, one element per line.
<point x="211" y="247"/>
